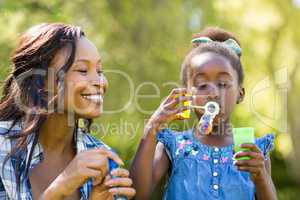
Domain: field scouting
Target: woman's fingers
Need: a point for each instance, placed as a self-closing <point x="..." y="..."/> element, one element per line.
<point x="91" y="173"/>
<point x="110" y="155"/>
<point x="97" y="180"/>
<point x="123" y="191"/>
<point x="119" y="182"/>
<point x="120" y="172"/>
<point x="103" y="152"/>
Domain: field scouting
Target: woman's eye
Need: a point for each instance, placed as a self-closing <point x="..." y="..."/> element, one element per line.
<point x="100" y="72"/>
<point x="202" y="87"/>
<point x="82" y="71"/>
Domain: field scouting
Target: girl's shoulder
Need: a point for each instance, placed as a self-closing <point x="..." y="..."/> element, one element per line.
<point x="171" y="139"/>
<point x="266" y="143"/>
<point x="168" y="136"/>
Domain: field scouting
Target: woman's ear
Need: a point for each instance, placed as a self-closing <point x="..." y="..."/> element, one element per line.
<point x="241" y="95"/>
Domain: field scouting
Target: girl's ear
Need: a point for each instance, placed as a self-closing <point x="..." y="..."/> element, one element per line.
<point x="241" y="95"/>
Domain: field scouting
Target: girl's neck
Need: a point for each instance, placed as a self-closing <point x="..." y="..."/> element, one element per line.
<point x="56" y="135"/>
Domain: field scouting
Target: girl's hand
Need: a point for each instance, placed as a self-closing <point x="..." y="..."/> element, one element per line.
<point x="168" y="110"/>
<point x="256" y="165"/>
<point x="87" y="164"/>
<point x="109" y="187"/>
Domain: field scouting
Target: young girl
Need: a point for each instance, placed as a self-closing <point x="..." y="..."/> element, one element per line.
<point x="56" y="79"/>
<point x="203" y="166"/>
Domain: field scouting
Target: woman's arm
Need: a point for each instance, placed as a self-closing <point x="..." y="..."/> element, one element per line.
<point x="149" y="166"/>
<point x="85" y="165"/>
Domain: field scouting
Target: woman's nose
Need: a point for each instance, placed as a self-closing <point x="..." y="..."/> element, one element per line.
<point x="100" y="82"/>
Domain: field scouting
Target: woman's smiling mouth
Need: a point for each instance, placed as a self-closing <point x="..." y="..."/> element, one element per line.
<point x="95" y="98"/>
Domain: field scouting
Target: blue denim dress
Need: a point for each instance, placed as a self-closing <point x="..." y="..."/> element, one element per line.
<point x="200" y="171"/>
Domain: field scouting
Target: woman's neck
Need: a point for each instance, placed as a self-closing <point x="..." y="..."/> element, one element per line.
<point x="56" y="134"/>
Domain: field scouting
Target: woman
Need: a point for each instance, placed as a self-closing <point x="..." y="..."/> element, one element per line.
<point x="56" y="80"/>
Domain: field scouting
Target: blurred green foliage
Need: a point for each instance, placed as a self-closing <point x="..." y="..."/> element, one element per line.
<point x="143" y="44"/>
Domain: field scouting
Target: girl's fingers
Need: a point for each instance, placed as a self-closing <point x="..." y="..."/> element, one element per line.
<point x="174" y="102"/>
<point x="248" y="153"/>
<point x="120" y="172"/>
<point x="123" y="191"/>
<point x="119" y="182"/>
<point x="249" y="169"/>
<point x="175" y="92"/>
<point x="249" y="163"/>
<point x="175" y="114"/>
<point x="252" y="147"/>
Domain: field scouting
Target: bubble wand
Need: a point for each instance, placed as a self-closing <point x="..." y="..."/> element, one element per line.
<point x="211" y="110"/>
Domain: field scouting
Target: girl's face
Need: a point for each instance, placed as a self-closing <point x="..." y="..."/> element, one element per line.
<point x="212" y="78"/>
<point x="84" y="83"/>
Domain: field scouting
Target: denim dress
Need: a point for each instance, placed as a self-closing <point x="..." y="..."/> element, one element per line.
<point x="200" y="171"/>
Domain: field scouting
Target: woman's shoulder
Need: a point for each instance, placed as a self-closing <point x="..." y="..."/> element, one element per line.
<point x="8" y="127"/>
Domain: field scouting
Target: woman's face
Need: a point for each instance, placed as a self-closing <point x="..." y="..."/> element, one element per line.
<point x="84" y="83"/>
<point x="212" y="78"/>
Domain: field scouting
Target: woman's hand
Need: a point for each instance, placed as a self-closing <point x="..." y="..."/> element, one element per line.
<point x="256" y="164"/>
<point x="168" y="110"/>
<point x="109" y="187"/>
<point x="87" y="164"/>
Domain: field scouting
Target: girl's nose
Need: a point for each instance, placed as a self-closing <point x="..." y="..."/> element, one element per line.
<point x="213" y="93"/>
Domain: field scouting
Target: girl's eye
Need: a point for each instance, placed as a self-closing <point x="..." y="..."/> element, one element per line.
<point x="222" y="85"/>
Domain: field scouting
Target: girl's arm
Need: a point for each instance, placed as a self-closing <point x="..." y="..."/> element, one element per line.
<point x="149" y="166"/>
<point x="260" y="170"/>
<point x="151" y="161"/>
<point x="265" y="188"/>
